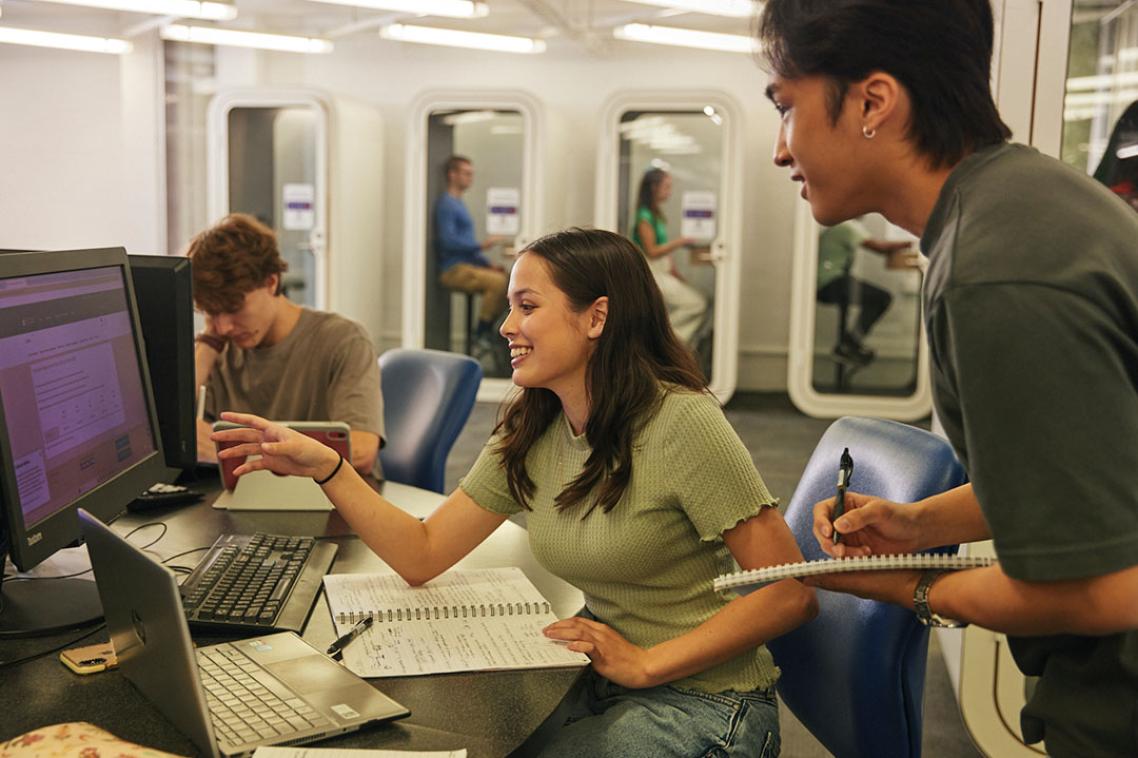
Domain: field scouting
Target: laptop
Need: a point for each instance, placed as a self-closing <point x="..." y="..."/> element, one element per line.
<point x="230" y="698"/>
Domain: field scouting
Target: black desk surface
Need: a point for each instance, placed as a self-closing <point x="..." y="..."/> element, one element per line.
<point x="488" y="713"/>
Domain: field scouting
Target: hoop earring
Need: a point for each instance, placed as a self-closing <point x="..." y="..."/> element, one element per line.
<point x="868" y="133"/>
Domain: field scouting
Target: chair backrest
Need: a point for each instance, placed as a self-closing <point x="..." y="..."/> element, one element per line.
<point x="855" y="675"/>
<point x="427" y="397"/>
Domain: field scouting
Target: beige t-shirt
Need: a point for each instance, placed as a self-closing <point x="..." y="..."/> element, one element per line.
<point x="324" y="370"/>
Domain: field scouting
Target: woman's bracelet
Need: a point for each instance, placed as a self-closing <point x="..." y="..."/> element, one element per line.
<point x="335" y="471"/>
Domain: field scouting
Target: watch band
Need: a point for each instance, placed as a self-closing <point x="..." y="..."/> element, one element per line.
<point x="924" y="613"/>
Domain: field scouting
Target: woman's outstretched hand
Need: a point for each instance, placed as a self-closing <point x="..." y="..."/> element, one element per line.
<point x="281" y="450"/>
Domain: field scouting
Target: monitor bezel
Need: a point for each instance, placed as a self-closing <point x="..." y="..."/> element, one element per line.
<point x="30" y="545"/>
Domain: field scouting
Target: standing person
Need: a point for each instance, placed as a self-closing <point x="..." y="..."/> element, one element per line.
<point x="262" y="353"/>
<point x="1031" y="305"/>
<point x="636" y="490"/>
<point x="686" y="306"/>
<point x="462" y="264"/>
<point x="837" y="248"/>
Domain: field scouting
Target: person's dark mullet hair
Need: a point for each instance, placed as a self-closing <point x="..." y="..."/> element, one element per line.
<point x="939" y="50"/>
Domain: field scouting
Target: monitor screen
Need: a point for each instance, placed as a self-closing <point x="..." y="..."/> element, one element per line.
<point x="75" y="410"/>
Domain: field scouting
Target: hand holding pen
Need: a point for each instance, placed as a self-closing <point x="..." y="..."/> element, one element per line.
<point x="845" y="473"/>
<point x="336" y="649"/>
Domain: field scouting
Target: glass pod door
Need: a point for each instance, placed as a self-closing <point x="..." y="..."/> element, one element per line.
<point x="667" y="178"/>
<point x="267" y="158"/>
<point x="471" y="204"/>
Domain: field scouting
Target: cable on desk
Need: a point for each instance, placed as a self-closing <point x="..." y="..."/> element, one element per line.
<point x="184" y="569"/>
<point x="165" y="528"/>
<point x="4" y="665"/>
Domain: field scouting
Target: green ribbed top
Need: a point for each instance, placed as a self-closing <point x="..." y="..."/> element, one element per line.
<point x="646" y="566"/>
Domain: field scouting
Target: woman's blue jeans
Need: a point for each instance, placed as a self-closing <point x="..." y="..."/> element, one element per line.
<point x="598" y="719"/>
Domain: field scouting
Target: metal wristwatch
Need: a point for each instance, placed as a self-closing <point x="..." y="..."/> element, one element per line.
<point x="921" y="603"/>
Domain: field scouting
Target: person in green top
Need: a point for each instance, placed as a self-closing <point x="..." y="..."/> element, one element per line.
<point x="1031" y="309"/>
<point x="687" y="308"/>
<point x="636" y="490"/>
<point x="837" y="248"/>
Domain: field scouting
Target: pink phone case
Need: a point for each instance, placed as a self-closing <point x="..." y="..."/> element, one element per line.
<point x="333" y="434"/>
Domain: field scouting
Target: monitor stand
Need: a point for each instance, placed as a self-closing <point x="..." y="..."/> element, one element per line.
<point x="39" y="607"/>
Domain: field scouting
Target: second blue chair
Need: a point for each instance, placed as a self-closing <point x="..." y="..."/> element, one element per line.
<point x="855" y="675"/>
<point x="427" y="397"/>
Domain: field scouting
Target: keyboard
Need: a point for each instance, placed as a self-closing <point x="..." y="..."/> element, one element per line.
<point x="256" y="583"/>
<point x="247" y="704"/>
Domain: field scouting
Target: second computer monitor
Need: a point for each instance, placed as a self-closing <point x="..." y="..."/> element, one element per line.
<point x="163" y="289"/>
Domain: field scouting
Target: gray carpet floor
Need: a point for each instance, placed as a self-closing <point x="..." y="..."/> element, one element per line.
<point x="781" y="440"/>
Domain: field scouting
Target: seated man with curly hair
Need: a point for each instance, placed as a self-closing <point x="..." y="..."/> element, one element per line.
<point x="261" y="353"/>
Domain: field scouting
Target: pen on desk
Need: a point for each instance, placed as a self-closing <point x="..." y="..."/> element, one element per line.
<point x="845" y="473"/>
<point x="201" y="403"/>
<point x="337" y="647"/>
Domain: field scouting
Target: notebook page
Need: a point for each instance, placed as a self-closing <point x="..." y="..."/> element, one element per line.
<point x="463" y="620"/>
<point x="477" y="644"/>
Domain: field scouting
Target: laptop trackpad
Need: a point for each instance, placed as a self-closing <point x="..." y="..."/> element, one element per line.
<point x="329" y="686"/>
<point x="313" y="673"/>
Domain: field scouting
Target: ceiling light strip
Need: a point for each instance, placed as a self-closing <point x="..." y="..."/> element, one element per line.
<point x="729" y="8"/>
<point x="671" y="35"/>
<point x="448" y="8"/>
<point x="206" y="35"/>
<point x="207" y="11"/>
<point x="83" y="43"/>
<point x="429" y="35"/>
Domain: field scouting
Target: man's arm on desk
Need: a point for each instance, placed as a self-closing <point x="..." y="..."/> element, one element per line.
<point x="365" y="448"/>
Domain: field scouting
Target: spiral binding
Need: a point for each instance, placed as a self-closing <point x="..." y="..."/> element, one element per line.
<point x="915" y="561"/>
<point x="436" y="613"/>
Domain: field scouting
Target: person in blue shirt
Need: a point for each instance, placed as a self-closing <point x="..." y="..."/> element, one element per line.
<point x="463" y="265"/>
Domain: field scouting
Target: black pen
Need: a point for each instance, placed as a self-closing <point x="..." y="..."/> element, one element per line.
<point x="337" y="647"/>
<point x="845" y="473"/>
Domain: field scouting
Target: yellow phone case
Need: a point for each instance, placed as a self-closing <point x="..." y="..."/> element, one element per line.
<point x="89" y="659"/>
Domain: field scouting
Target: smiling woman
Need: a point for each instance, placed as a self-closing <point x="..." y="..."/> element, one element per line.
<point x="636" y="490"/>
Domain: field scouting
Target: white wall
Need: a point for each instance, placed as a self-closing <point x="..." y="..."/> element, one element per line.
<point x="80" y="149"/>
<point x="80" y="153"/>
<point x="573" y="88"/>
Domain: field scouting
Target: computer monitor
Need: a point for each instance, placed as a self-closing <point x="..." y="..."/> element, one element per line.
<point x="77" y="421"/>
<point x="163" y="289"/>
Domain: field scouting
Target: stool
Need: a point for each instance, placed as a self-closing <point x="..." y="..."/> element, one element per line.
<point x="470" y="322"/>
<point x="841" y="370"/>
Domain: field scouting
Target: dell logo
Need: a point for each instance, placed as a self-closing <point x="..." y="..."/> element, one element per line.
<point x="139" y="628"/>
<point x="34" y="538"/>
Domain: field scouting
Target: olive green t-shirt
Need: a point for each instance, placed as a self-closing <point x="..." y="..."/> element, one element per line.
<point x="837" y="246"/>
<point x="1031" y="302"/>
<point x="646" y="567"/>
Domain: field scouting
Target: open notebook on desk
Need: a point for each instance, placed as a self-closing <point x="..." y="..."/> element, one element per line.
<point x="462" y="620"/>
<point x="915" y="561"/>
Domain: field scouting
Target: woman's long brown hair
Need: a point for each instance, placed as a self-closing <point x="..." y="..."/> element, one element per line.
<point x="635" y="358"/>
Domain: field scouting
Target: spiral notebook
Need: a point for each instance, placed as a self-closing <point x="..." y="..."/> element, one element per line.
<point x="463" y="620"/>
<point x="914" y="561"/>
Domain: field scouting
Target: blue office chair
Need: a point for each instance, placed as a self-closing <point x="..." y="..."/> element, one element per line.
<point x="427" y="397"/>
<point x="855" y="675"/>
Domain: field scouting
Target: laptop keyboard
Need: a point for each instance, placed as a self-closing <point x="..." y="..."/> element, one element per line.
<point x="256" y="582"/>
<point x="246" y="703"/>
